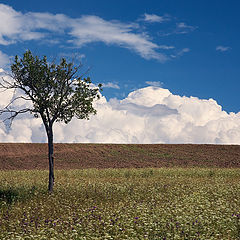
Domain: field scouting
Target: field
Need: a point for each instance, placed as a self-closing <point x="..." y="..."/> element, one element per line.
<point x="187" y="202"/>
<point x="23" y="156"/>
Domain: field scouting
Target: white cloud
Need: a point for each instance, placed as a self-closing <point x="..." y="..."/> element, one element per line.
<point x="110" y="85"/>
<point x="180" y="28"/>
<point x="4" y="60"/>
<point x="55" y="28"/>
<point x="154" y="83"/>
<point x="165" y="47"/>
<point x="184" y="50"/>
<point x="180" y="53"/>
<point x="183" y="28"/>
<point x="222" y="48"/>
<point x="16" y="26"/>
<point x="5" y="96"/>
<point x="92" y="28"/>
<point x="147" y="115"/>
<point x="184" y="25"/>
<point x="154" y="18"/>
<point x="9" y="24"/>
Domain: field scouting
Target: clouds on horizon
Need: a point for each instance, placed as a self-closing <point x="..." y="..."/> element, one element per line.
<point x="147" y="115"/>
<point x="17" y="26"/>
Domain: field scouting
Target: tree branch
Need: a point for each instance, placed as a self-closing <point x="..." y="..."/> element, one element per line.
<point x="13" y="113"/>
<point x="12" y="101"/>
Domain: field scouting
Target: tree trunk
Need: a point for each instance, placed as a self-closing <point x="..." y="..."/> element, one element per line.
<point x="51" y="159"/>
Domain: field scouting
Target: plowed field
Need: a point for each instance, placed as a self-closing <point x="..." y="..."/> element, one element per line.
<point x="14" y="156"/>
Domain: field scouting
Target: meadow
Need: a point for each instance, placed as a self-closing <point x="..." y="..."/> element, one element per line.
<point x="149" y="203"/>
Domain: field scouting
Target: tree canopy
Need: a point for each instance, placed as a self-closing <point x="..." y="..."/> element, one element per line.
<point x="56" y="91"/>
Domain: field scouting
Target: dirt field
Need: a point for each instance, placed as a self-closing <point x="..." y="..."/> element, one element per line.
<point x="76" y="156"/>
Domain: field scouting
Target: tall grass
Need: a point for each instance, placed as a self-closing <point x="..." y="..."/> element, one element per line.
<point x="121" y="204"/>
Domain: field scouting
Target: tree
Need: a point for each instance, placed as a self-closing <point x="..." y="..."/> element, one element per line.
<point x="57" y="94"/>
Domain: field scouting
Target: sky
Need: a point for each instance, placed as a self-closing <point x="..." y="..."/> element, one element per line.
<point x="169" y="68"/>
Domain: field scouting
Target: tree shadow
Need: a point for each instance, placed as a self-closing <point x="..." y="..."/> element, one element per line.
<point x="8" y="195"/>
<point x="12" y="195"/>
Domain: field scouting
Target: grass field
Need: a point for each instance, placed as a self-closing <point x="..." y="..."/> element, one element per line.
<point x="117" y="204"/>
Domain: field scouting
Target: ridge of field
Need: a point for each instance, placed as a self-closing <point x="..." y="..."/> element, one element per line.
<point x="20" y="156"/>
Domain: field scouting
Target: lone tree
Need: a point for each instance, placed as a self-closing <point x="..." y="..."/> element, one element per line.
<point x="57" y="93"/>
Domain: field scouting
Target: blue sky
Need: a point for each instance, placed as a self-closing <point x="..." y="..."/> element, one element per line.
<point x="189" y="47"/>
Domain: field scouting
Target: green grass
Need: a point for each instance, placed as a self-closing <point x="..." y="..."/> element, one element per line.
<point x="121" y="204"/>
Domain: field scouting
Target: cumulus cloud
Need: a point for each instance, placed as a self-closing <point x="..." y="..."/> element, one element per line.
<point x="222" y="48"/>
<point x="147" y="115"/>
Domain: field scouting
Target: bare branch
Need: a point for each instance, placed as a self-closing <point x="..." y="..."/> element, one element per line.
<point x="6" y="84"/>
<point x="12" y="101"/>
<point x="13" y="113"/>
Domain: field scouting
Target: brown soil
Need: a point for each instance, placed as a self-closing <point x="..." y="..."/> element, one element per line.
<point x="76" y="156"/>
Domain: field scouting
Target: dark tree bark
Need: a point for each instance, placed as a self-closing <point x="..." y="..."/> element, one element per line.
<point x="50" y="159"/>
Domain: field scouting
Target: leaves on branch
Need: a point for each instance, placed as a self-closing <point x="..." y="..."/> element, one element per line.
<point x="57" y="92"/>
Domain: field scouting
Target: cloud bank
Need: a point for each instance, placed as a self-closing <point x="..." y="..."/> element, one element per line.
<point x="147" y="115"/>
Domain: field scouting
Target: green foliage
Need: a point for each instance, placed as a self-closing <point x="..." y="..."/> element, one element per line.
<point x="124" y="204"/>
<point x="56" y="91"/>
